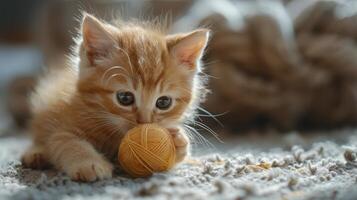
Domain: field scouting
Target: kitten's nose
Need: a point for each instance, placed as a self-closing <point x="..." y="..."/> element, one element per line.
<point x="143" y="116"/>
<point x="142" y="120"/>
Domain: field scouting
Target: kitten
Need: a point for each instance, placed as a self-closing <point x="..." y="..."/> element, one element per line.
<point x="125" y="75"/>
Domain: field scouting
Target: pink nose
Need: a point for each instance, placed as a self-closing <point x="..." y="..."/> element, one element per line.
<point x="142" y="121"/>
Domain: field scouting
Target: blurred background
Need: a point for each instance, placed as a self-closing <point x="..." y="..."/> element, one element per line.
<point x="286" y="65"/>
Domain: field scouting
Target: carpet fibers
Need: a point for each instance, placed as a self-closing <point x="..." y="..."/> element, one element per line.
<point x="319" y="169"/>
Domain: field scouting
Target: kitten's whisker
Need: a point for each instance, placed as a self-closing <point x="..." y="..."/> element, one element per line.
<point x="103" y="121"/>
<point x="97" y="103"/>
<point x="213" y="117"/>
<point x="193" y="137"/>
<point x="203" y="139"/>
<point x="113" y="130"/>
<point x="125" y="53"/>
<point x="97" y="120"/>
<point x="127" y="120"/>
<point x="208" y="129"/>
<point x="208" y="75"/>
<point x="202" y="125"/>
<point x="128" y="58"/>
<point x="98" y="125"/>
<point x="94" y="114"/>
<point x="198" y="139"/>
<point x="199" y="118"/>
<point x="189" y="134"/>
<point x="186" y="90"/>
<point x="108" y="114"/>
<point x="101" y="125"/>
<point x="115" y="75"/>
<point x="110" y="69"/>
<point x="206" y="63"/>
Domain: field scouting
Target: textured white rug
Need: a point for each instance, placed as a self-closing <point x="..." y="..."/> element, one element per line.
<point x="268" y="167"/>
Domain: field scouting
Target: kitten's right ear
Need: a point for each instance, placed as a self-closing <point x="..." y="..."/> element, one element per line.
<point x="97" y="37"/>
<point x="187" y="49"/>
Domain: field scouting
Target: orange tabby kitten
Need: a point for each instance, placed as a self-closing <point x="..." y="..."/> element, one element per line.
<point x="124" y="75"/>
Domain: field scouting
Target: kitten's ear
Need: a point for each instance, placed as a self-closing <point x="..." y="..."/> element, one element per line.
<point x="97" y="37"/>
<point x="188" y="49"/>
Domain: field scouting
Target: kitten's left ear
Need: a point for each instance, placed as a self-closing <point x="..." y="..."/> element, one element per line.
<point x="97" y="37"/>
<point x="188" y="49"/>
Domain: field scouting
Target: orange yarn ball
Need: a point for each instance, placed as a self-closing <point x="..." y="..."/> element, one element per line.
<point x="146" y="149"/>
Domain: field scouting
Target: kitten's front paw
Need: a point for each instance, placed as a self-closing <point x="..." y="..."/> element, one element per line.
<point x="34" y="158"/>
<point x="181" y="142"/>
<point x="90" y="170"/>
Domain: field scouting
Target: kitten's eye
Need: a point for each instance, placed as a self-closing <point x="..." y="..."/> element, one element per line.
<point x="163" y="103"/>
<point x="125" y="98"/>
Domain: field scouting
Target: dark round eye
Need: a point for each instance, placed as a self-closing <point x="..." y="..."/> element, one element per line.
<point x="125" y="98"/>
<point x="163" y="102"/>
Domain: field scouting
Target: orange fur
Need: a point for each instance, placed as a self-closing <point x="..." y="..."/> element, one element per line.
<point x="78" y="122"/>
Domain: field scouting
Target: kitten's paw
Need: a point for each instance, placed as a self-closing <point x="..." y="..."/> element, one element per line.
<point x="90" y="170"/>
<point x="34" y="158"/>
<point x="181" y="142"/>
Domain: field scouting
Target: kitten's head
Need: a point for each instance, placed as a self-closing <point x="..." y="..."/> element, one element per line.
<point x="137" y="73"/>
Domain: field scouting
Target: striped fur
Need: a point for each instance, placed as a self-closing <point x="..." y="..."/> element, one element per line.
<point x="78" y="123"/>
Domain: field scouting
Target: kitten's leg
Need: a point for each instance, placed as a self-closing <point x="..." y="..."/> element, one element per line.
<point x="34" y="158"/>
<point x="182" y="143"/>
<point x="77" y="158"/>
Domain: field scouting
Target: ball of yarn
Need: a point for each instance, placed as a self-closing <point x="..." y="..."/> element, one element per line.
<point x="146" y="149"/>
